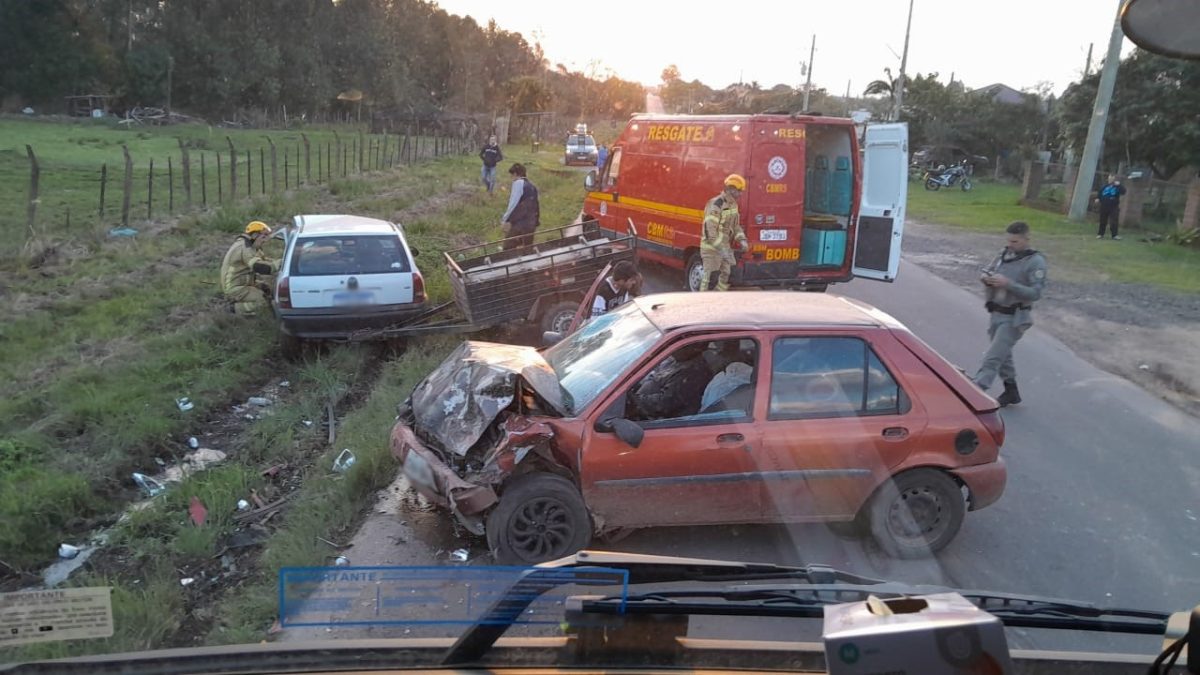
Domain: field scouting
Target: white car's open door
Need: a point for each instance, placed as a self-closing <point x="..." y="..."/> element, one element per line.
<point x="884" y="194"/>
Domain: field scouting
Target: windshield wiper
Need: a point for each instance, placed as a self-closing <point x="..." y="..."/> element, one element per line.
<point x="810" y="589"/>
<point x="809" y="601"/>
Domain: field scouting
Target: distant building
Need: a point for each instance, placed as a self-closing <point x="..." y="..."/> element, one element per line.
<point x="1002" y="93"/>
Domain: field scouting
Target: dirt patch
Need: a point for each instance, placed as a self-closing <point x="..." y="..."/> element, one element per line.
<point x="1137" y="331"/>
<point x="435" y="203"/>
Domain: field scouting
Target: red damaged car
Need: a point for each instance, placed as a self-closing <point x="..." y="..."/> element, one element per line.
<point x="705" y="408"/>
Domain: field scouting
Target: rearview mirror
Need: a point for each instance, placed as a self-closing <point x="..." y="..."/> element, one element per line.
<point x="628" y="431"/>
<point x="589" y="181"/>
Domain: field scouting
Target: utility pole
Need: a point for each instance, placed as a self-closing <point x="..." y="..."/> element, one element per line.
<point x="808" y="84"/>
<point x="847" y="98"/>
<point x="903" y="65"/>
<point x="1095" y="136"/>
<point x="1087" y="67"/>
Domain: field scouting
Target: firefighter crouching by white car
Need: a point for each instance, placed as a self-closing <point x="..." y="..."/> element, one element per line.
<point x="246" y="275"/>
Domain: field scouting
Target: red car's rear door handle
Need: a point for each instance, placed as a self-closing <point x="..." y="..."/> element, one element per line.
<point x="731" y="438"/>
<point x="895" y="433"/>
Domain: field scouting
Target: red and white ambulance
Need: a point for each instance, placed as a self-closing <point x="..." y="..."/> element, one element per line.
<point x="820" y="207"/>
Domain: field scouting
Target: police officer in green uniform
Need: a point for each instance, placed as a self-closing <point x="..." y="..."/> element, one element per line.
<point x="721" y="229"/>
<point x="1012" y="282"/>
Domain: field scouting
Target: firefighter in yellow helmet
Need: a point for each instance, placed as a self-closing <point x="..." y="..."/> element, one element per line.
<point x="722" y="230"/>
<point x="246" y="275"/>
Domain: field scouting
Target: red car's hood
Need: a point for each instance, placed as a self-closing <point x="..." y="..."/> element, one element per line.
<point x="457" y="402"/>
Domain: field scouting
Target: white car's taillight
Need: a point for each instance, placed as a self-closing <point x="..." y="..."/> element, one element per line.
<point x="283" y="295"/>
<point x="418" y="287"/>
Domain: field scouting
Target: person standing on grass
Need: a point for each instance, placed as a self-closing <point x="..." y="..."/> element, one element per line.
<point x="601" y="157"/>
<point x="1109" y="199"/>
<point x="1012" y="283"/>
<point x="524" y="212"/>
<point x="491" y="156"/>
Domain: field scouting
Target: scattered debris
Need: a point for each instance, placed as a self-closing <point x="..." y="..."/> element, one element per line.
<point x="193" y="443"/>
<point x="308" y="423"/>
<point x="259" y="401"/>
<point x="228" y="562"/>
<point x="197" y="460"/>
<point x="243" y="505"/>
<point x="187" y="581"/>
<point x="185" y="404"/>
<point x="122" y="232"/>
<point x="197" y="512"/>
<point x="341" y="561"/>
<point x="460" y="555"/>
<point x="67" y="551"/>
<point x="160" y="461"/>
<point x="258" y="501"/>
<point x="337" y="546"/>
<point x="344" y="461"/>
<point x="258" y="513"/>
<point x="271" y="472"/>
<point x="275" y="628"/>
<point x="149" y="485"/>
<point x="285" y="384"/>
<point x="246" y="539"/>
<point x="1144" y="367"/>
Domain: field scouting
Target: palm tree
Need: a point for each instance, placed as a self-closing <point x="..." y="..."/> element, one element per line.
<point x="887" y="86"/>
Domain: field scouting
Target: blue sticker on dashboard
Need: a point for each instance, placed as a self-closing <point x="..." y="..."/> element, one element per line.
<point x="391" y="596"/>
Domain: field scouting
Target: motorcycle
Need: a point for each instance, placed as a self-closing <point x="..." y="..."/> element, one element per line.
<point x="947" y="178"/>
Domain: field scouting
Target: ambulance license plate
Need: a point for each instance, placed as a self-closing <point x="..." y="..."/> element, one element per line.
<point x="772" y="235"/>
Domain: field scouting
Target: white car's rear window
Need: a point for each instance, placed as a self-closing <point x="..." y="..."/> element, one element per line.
<point x="351" y="254"/>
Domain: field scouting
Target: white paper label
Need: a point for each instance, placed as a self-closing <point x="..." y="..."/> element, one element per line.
<point x="53" y="615"/>
<point x="772" y="235"/>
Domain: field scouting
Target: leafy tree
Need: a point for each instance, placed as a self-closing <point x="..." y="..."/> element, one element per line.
<point x="1153" y="117"/>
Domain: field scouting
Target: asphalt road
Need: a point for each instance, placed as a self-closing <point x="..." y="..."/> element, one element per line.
<point x="1101" y="504"/>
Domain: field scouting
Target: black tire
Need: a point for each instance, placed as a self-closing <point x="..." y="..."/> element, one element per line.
<point x="540" y="517"/>
<point x="966" y="185"/>
<point x="558" y="318"/>
<point x="291" y="347"/>
<point x="693" y="274"/>
<point x="916" y="513"/>
<point x="932" y="185"/>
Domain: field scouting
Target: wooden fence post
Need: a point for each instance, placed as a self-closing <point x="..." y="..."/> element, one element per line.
<point x="307" y="159"/>
<point x="274" y="166"/>
<point x="337" y="141"/>
<point x="285" y="169"/>
<point x="249" y="176"/>
<point x="203" y="184"/>
<point x="127" y="187"/>
<point x="170" y="186"/>
<point x="320" y="163"/>
<point x="150" y="192"/>
<point x="103" y="186"/>
<point x="35" y="177"/>
<point x="262" y="171"/>
<point x="232" y="170"/>
<point x="361" y="147"/>
<point x="220" y="181"/>
<point x="404" y="149"/>
<point x="344" y="161"/>
<point x="185" y="162"/>
<point x="383" y="153"/>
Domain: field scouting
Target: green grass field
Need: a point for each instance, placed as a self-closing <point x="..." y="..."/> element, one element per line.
<point x="98" y="343"/>
<point x="1074" y="247"/>
<point x="71" y="155"/>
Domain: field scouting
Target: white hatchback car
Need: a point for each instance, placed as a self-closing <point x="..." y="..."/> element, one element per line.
<point x="342" y="274"/>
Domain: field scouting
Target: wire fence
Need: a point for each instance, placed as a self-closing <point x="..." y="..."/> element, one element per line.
<point x="1161" y="202"/>
<point x="54" y="198"/>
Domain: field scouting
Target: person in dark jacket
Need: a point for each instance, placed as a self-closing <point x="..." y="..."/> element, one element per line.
<point x="524" y="214"/>
<point x="491" y="156"/>
<point x="1109" y="198"/>
<point x="620" y="286"/>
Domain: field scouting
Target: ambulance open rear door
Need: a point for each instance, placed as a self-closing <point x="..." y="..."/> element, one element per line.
<point x="881" y="209"/>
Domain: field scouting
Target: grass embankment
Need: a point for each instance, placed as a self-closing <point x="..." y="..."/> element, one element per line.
<point x="1075" y="250"/>
<point x="101" y="345"/>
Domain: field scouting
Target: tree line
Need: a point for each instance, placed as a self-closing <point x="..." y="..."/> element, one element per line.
<point x="214" y="57"/>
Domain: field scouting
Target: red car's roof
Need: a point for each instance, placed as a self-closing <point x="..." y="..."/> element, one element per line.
<point x="774" y="309"/>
